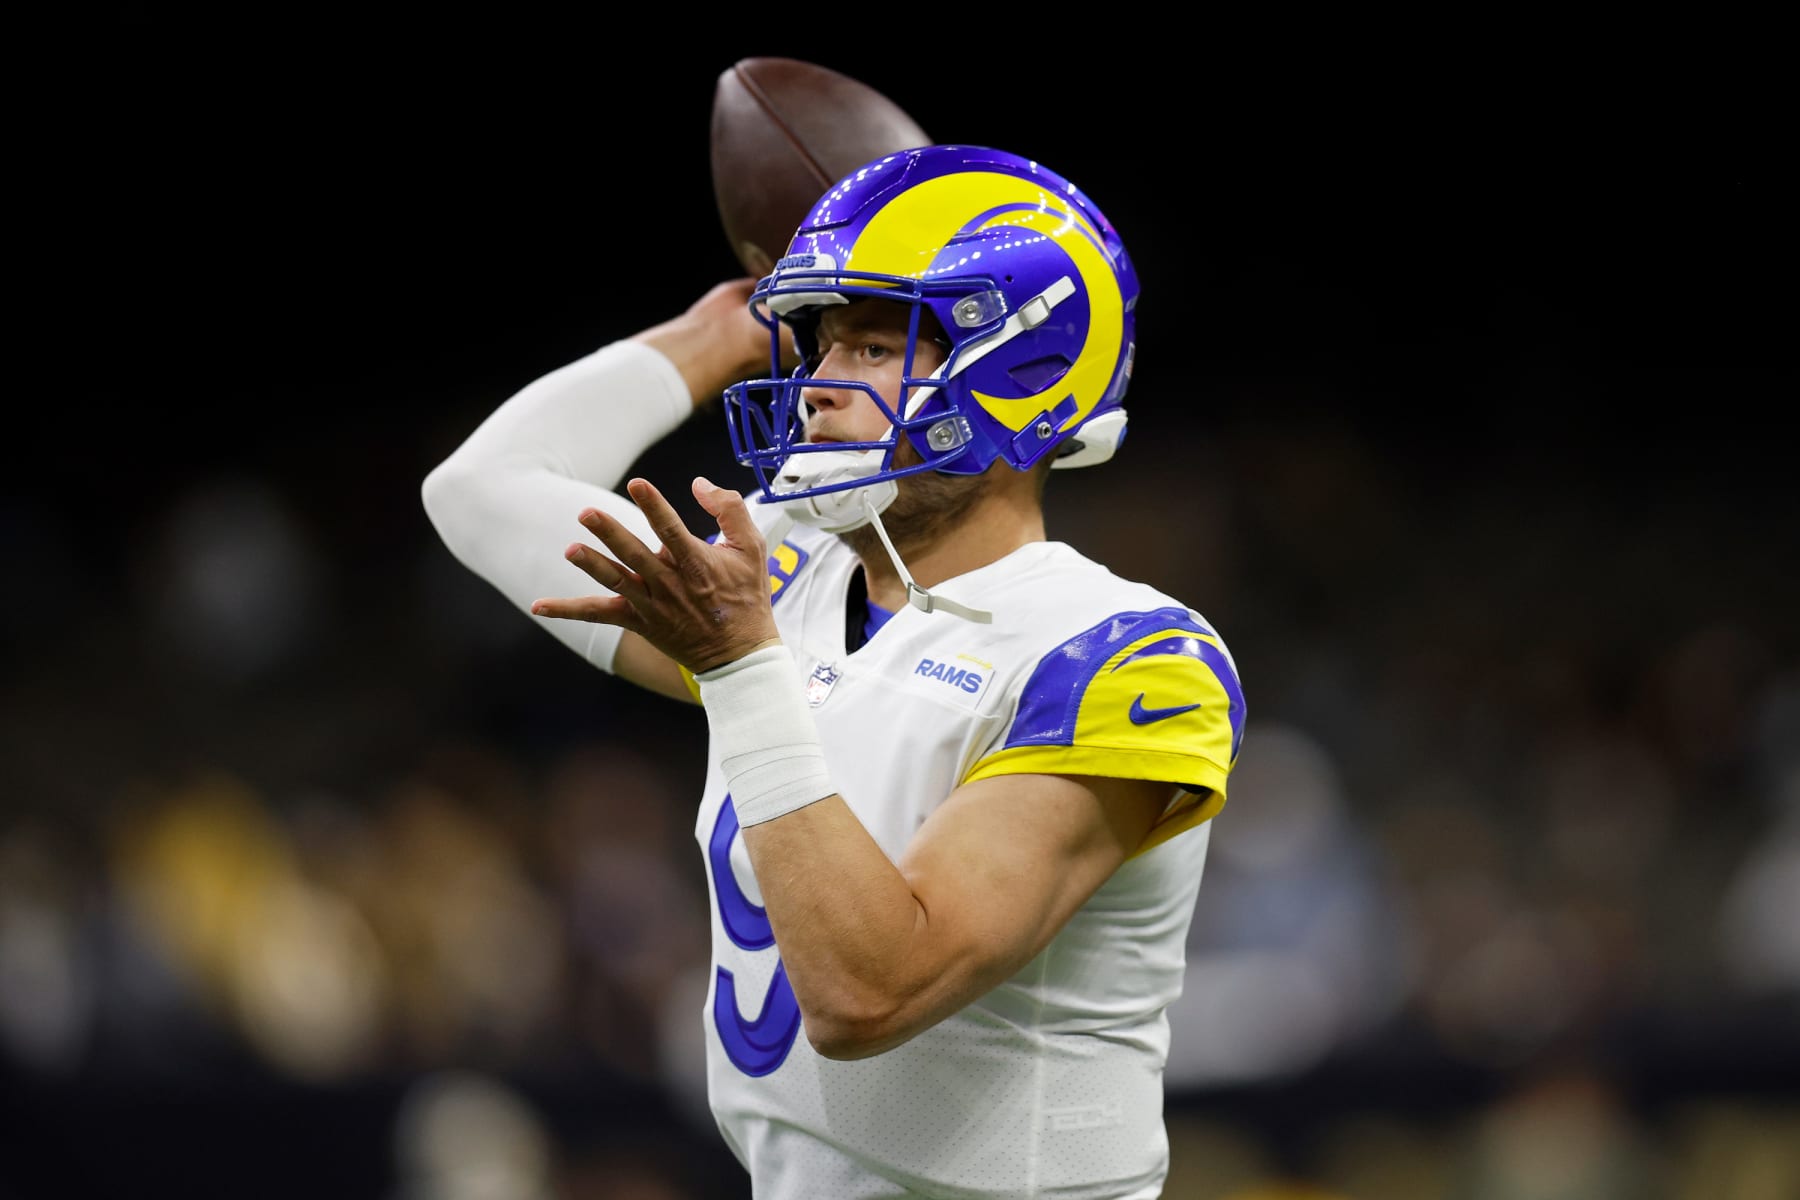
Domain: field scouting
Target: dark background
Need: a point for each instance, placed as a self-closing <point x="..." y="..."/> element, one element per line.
<point x="1460" y="405"/>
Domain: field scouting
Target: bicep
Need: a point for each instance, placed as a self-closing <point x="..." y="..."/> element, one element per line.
<point x="1004" y="863"/>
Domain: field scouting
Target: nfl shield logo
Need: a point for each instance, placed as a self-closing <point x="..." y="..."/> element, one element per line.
<point x="819" y="684"/>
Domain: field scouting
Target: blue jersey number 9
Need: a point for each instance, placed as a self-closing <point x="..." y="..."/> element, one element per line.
<point x="760" y="1044"/>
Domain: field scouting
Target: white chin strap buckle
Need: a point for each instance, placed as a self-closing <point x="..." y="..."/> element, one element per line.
<point x="834" y="512"/>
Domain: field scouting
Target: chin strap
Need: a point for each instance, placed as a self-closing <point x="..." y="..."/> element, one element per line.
<point x="774" y="520"/>
<point x="917" y="596"/>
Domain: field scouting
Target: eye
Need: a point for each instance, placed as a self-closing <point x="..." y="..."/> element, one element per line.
<point x="875" y="351"/>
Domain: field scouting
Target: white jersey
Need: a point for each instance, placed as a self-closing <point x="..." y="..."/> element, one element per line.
<point x="1050" y="1085"/>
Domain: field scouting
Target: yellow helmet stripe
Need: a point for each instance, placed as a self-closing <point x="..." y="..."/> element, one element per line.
<point x="928" y="215"/>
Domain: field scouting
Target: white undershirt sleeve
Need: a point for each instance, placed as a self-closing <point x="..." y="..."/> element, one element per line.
<point x="505" y="501"/>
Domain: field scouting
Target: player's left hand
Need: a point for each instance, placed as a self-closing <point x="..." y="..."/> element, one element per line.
<point x="704" y="604"/>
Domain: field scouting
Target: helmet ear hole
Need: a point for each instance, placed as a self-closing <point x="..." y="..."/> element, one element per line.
<point x="1038" y="374"/>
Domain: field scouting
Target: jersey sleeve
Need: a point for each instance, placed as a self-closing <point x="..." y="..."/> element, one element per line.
<point x="1142" y="695"/>
<point x="504" y="501"/>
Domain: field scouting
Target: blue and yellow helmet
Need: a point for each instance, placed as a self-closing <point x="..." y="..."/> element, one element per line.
<point x="1030" y="286"/>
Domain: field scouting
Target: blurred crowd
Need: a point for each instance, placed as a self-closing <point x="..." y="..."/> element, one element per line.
<point x="309" y="836"/>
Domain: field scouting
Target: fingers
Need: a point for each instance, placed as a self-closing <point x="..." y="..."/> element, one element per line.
<point x="603" y="610"/>
<point x="663" y="518"/>
<point x="617" y="609"/>
<point x="620" y="540"/>
<point x="603" y="570"/>
<point x="729" y="509"/>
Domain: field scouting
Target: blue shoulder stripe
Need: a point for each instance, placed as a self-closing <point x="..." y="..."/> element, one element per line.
<point x="1052" y="698"/>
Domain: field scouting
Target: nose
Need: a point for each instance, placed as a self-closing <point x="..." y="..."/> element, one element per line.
<point x="826" y="399"/>
<point x="831" y="366"/>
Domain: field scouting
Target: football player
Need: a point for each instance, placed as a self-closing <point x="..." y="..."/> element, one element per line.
<point x="960" y="773"/>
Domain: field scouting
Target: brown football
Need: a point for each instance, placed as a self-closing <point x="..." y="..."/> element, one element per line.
<point x="783" y="131"/>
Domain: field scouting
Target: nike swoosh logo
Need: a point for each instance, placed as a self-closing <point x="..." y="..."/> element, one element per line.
<point x="1144" y="716"/>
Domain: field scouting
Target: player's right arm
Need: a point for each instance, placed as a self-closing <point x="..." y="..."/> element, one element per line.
<point x="505" y="502"/>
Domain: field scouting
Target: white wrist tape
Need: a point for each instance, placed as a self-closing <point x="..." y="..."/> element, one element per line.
<point x="766" y="741"/>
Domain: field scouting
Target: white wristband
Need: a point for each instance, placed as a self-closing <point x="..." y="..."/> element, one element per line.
<point x="764" y="736"/>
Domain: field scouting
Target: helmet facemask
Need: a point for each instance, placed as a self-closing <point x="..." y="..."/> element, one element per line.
<point x="767" y="418"/>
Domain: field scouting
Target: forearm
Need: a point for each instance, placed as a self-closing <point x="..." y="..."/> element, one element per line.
<point x="869" y="965"/>
<point x="505" y="501"/>
<point x="709" y="353"/>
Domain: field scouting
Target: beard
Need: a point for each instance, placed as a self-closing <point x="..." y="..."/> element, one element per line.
<point x="927" y="506"/>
